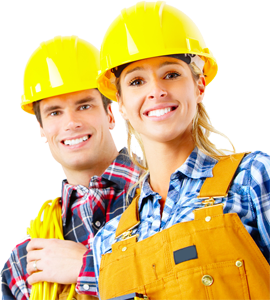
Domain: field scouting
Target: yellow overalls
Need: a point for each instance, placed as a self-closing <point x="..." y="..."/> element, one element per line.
<point x="212" y="257"/>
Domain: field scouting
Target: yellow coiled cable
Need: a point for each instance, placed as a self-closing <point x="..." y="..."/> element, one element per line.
<point x="47" y="225"/>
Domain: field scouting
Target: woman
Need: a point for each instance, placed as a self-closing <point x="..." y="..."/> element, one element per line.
<point x="199" y="225"/>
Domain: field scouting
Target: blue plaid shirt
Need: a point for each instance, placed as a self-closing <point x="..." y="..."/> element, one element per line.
<point x="249" y="197"/>
<point x="84" y="211"/>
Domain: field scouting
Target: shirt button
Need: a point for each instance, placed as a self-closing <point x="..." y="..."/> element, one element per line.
<point x="79" y="191"/>
<point x="98" y="223"/>
<point x="207" y="219"/>
<point x="86" y="287"/>
<point x="207" y="280"/>
<point x="124" y="249"/>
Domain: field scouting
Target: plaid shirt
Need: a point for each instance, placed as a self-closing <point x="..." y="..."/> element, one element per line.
<point x="249" y="197"/>
<point x="84" y="212"/>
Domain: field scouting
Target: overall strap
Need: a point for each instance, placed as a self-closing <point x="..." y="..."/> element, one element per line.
<point x="130" y="218"/>
<point x="223" y="174"/>
<point x="213" y="187"/>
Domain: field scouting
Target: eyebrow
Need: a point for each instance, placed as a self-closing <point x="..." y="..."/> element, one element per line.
<point x="166" y="63"/>
<point x="161" y="65"/>
<point x="84" y="100"/>
<point x="51" y="108"/>
<point x="134" y="69"/>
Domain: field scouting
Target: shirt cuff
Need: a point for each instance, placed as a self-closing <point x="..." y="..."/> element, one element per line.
<point x="86" y="283"/>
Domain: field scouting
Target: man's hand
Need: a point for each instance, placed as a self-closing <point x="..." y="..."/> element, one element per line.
<point x="56" y="260"/>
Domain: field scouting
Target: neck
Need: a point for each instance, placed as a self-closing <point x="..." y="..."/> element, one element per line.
<point x="83" y="176"/>
<point x="163" y="159"/>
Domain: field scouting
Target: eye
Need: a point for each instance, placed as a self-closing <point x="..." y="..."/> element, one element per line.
<point x="84" y="107"/>
<point x="171" y="75"/>
<point x="136" y="82"/>
<point x="55" y="113"/>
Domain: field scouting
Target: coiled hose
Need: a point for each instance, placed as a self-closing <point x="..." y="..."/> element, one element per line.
<point x="47" y="225"/>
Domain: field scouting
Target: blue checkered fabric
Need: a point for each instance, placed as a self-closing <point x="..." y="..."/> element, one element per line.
<point x="249" y="197"/>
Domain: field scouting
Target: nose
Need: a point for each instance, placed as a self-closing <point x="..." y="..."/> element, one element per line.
<point x="156" y="91"/>
<point x="72" y="121"/>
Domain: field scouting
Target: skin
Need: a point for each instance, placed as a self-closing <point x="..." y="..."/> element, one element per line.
<point x="154" y="83"/>
<point x="66" y="117"/>
<point x="74" y="115"/>
<point x="52" y="256"/>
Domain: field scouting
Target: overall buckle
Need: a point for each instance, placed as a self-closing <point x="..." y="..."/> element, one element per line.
<point x="210" y="201"/>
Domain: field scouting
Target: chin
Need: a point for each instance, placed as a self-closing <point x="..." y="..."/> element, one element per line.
<point x="79" y="164"/>
<point x="164" y="136"/>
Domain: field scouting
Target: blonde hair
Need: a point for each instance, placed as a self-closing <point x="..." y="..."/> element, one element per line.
<point x="201" y="130"/>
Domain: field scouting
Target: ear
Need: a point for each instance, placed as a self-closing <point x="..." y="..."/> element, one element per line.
<point x="201" y="88"/>
<point x="122" y="108"/>
<point x="42" y="134"/>
<point x="110" y="117"/>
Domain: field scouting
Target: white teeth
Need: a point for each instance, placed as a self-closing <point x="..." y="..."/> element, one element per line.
<point x="76" y="141"/>
<point x="159" y="112"/>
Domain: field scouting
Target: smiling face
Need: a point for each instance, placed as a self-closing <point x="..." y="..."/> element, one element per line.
<point x="77" y="126"/>
<point x="159" y="98"/>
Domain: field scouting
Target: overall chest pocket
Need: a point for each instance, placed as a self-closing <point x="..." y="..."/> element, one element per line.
<point x="223" y="280"/>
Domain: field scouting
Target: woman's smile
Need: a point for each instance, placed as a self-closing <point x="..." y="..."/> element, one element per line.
<point x="159" y="97"/>
<point x="160" y="112"/>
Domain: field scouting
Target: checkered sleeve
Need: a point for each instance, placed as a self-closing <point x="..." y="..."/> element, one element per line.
<point x="86" y="283"/>
<point x="5" y="289"/>
<point x="14" y="275"/>
<point x="102" y="244"/>
<point x="260" y="198"/>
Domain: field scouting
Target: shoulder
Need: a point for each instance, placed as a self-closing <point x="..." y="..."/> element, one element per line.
<point x="123" y="170"/>
<point x="253" y="175"/>
<point x="125" y="160"/>
<point x="256" y="165"/>
<point x="256" y="158"/>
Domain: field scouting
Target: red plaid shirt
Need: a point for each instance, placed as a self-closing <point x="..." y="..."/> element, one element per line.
<point x="84" y="212"/>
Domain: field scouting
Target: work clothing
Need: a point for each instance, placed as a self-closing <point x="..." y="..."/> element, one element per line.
<point x="150" y="29"/>
<point x="211" y="257"/>
<point x="84" y="212"/>
<point x="63" y="293"/>
<point x="248" y="196"/>
<point x="48" y="74"/>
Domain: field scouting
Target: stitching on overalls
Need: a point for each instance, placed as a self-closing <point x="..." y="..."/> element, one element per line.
<point x="251" y="242"/>
<point x="243" y="276"/>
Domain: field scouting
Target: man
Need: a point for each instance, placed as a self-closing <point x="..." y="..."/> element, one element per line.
<point x="60" y="88"/>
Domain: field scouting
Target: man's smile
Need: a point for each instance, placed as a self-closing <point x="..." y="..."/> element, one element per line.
<point x="76" y="141"/>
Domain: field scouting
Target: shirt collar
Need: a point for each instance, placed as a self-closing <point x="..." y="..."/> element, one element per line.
<point x="122" y="172"/>
<point x="67" y="192"/>
<point x="197" y="165"/>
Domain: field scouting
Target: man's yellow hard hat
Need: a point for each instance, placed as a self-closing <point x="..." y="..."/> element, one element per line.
<point x="59" y="66"/>
<point x="150" y="29"/>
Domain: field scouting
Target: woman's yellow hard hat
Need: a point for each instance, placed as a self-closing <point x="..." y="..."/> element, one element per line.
<point x="150" y="29"/>
<point x="59" y="66"/>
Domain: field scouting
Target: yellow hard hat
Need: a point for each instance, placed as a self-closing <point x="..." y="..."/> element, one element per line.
<point x="59" y="66"/>
<point x="150" y="29"/>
